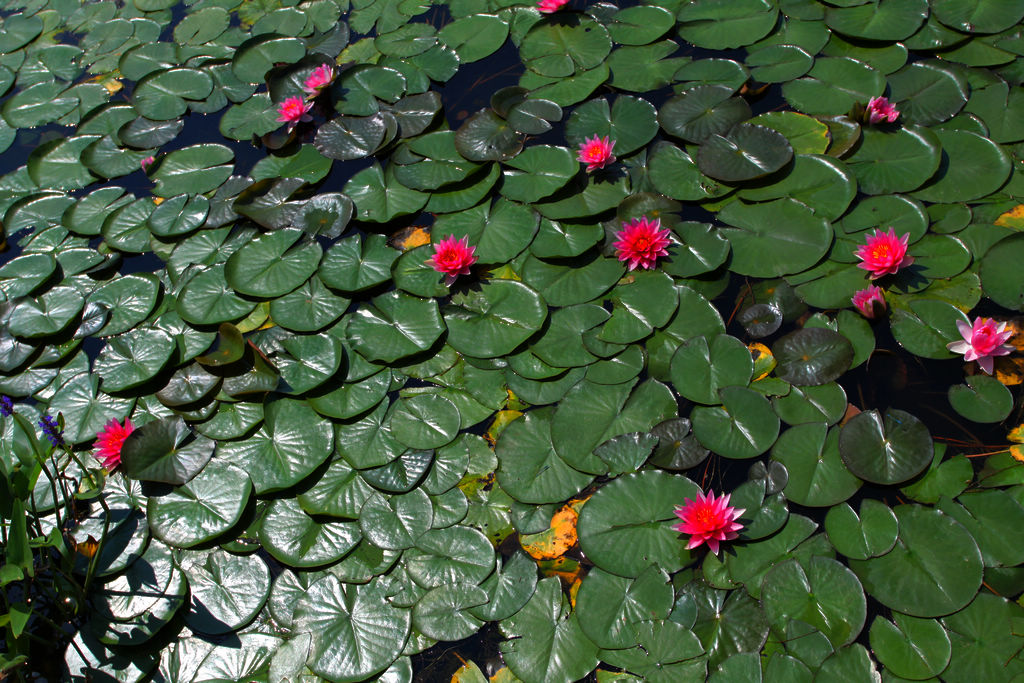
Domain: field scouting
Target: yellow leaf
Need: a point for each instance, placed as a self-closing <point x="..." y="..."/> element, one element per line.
<point x="764" y="361"/>
<point x="1016" y="434"/>
<point x="554" y="541"/>
<point x="1010" y="371"/>
<point x="410" y="238"/>
<point x="469" y="673"/>
<point x="565" y="568"/>
<point x="158" y="200"/>
<point x="1014" y="218"/>
<point x="503" y="675"/>
<point x="501" y="420"/>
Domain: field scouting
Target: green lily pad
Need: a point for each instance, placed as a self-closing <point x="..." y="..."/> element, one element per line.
<point x="726" y="25"/>
<point x="1000" y="277"/>
<point x="871" y="534"/>
<point x="910" y="647"/>
<point x="775" y="238"/>
<point x="817" y="475"/>
<point x="192" y="170"/>
<point x="833" y="86"/>
<point x="226" y="592"/>
<point x="812" y="356"/>
<point x="916" y="577"/>
<point x="529" y="470"/>
<point x="294" y="538"/>
<point x="627" y="525"/>
<point x="888" y="21"/>
<point x="897" y="161"/>
<point x="562" y="48"/>
<point x="355" y="630"/>
<point x="746" y="152"/>
<point x="272" y="264"/>
<point x="983" y="399"/>
<point x="927" y="93"/>
<point x="292" y="442"/>
<point x="630" y="122"/>
<point x="609" y="605"/>
<point x="700" y="369"/>
<point x="395" y="326"/>
<point x="822" y="592"/>
<point x="886" y="451"/>
<point x="207" y="506"/>
<point x="494" y="319"/>
<point x="703" y="111"/>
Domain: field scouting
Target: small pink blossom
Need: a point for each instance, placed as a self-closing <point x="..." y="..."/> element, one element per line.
<point x="879" y="109"/>
<point x="869" y="301"/>
<point x="294" y="110"/>
<point x="146" y="163"/>
<point x="982" y="341"/>
<point x="549" y="6"/>
<point x="641" y="242"/>
<point x="452" y="257"/>
<point x="884" y="253"/>
<point x="596" y="152"/>
<point x="319" y="79"/>
<point x="109" y="443"/>
<point x="708" y="520"/>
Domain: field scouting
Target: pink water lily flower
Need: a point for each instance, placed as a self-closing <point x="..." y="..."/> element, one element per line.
<point x="869" y="301"/>
<point x="982" y="341"/>
<point x="879" y="109"/>
<point x="641" y="242"/>
<point x="596" y="152"/>
<point x="146" y="163"/>
<point x="294" y="110"/>
<point x="708" y="520"/>
<point x="452" y="257"/>
<point x="549" y="6"/>
<point x="884" y="253"/>
<point x="109" y="443"/>
<point x="319" y="79"/>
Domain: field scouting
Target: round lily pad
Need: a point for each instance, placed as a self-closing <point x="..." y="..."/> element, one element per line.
<point x="916" y="576"/>
<point x="356" y="632"/>
<point x="910" y="647"/>
<point x="871" y="534"/>
<point x="812" y="356"/>
<point x="1001" y="279"/>
<point x="700" y="369"/>
<point x="983" y="399"/>
<point x="746" y="152"/>
<point x="493" y="319"/>
<point x="822" y="592"/>
<point x="627" y="524"/>
<point x="207" y="506"/>
<point x="885" y="450"/>
<point x="425" y="421"/>
<point x="817" y="475"/>
<point x="297" y="540"/>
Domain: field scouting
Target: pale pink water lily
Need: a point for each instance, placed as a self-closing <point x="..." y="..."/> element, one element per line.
<point x="982" y="341"/>
<point x="453" y="258"/>
<point x="879" y="109"/>
<point x="109" y="443"/>
<point x="294" y="110"/>
<point x="641" y="242"/>
<point x="319" y="79"/>
<point x="870" y="301"/>
<point x="884" y="253"/>
<point x="596" y="152"/>
<point x="146" y="163"/>
<point x="708" y="520"/>
<point x="549" y="6"/>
